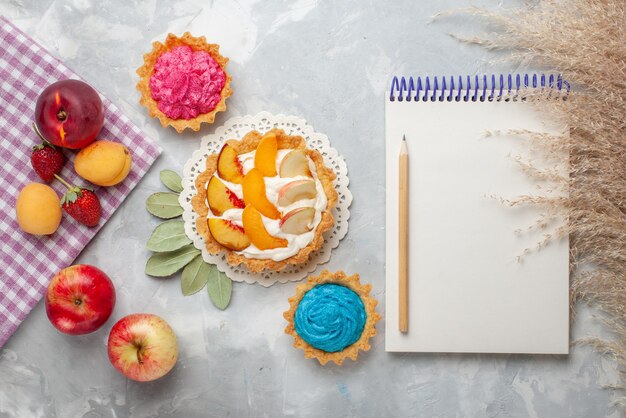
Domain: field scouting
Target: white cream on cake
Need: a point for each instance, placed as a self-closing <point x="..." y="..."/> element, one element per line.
<point x="273" y="186"/>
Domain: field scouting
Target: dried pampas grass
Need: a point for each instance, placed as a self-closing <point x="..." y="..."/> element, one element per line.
<point x="585" y="40"/>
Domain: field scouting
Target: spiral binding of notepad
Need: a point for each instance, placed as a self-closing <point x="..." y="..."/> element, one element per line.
<point x="472" y="89"/>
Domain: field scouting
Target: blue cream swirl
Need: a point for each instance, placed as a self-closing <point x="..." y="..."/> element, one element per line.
<point x="330" y="317"/>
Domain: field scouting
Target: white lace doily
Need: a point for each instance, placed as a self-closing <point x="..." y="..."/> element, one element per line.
<point x="236" y="128"/>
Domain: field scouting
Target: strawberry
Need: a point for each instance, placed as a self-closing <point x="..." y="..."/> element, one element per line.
<point x="81" y="204"/>
<point x="47" y="160"/>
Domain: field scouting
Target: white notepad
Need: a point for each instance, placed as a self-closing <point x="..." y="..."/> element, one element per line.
<point x="468" y="292"/>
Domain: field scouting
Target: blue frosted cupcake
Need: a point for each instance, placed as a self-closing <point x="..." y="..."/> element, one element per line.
<point x="332" y="316"/>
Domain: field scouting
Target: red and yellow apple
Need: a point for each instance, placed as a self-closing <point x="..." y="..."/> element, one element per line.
<point x="69" y="114"/>
<point x="79" y="299"/>
<point x="143" y="347"/>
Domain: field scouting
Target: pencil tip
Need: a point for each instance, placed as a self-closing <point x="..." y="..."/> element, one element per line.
<point x="403" y="146"/>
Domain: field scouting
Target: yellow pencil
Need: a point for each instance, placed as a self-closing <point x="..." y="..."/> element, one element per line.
<point x="403" y="238"/>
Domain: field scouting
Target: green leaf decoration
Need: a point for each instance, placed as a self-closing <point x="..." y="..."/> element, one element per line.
<point x="174" y="250"/>
<point x="168" y="236"/>
<point x="195" y="276"/>
<point x="166" y="264"/>
<point x="220" y="287"/>
<point x="171" y="180"/>
<point x="164" y="205"/>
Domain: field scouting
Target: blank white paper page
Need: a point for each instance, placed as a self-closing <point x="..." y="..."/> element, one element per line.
<point x="468" y="290"/>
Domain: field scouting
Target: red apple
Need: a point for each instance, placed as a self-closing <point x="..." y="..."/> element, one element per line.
<point x="69" y="114"/>
<point x="142" y="347"/>
<point x="79" y="299"/>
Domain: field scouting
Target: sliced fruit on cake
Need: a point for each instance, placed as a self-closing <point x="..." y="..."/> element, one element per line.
<point x="254" y="193"/>
<point x="253" y="225"/>
<point x="229" y="234"/>
<point x="265" y="156"/>
<point x="221" y="198"/>
<point x="294" y="164"/>
<point x="295" y="191"/>
<point x="228" y="166"/>
<point x="297" y="221"/>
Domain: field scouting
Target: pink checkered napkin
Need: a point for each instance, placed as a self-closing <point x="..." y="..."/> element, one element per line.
<point x="28" y="262"/>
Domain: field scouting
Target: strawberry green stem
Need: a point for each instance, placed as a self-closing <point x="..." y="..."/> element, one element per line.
<point x="63" y="181"/>
<point x="45" y="141"/>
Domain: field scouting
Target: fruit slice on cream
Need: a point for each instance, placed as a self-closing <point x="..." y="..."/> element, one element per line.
<point x="221" y="198"/>
<point x="273" y="192"/>
<point x="265" y="157"/>
<point x="296" y="191"/>
<point x="295" y="164"/>
<point x="255" y="230"/>
<point x="254" y="193"/>
<point x="228" y="165"/>
<point x="228" y="234"/>
<point x="298" y="221"/>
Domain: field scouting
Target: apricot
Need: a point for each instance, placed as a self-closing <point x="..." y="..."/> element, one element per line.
<point x="255" y="194"/>
<point x="228" y="234"/>
<point x="265" y="157"/>
<point x="105" y="163"/>
<point x="228" y="165"/>
<point x="256" y="232"/>
<point x="123" y="174"/>
<point x="221" y="198"/>
<point x="38" y="209"/>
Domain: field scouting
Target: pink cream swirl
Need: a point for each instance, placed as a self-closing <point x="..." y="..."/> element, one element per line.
<point x="186" y="83"/>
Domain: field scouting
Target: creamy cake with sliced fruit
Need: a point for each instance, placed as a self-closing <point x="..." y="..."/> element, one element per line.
<point x="265" y="201"/>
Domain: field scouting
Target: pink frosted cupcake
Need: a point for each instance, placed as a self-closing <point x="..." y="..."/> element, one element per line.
<point x="184" y="82"/>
